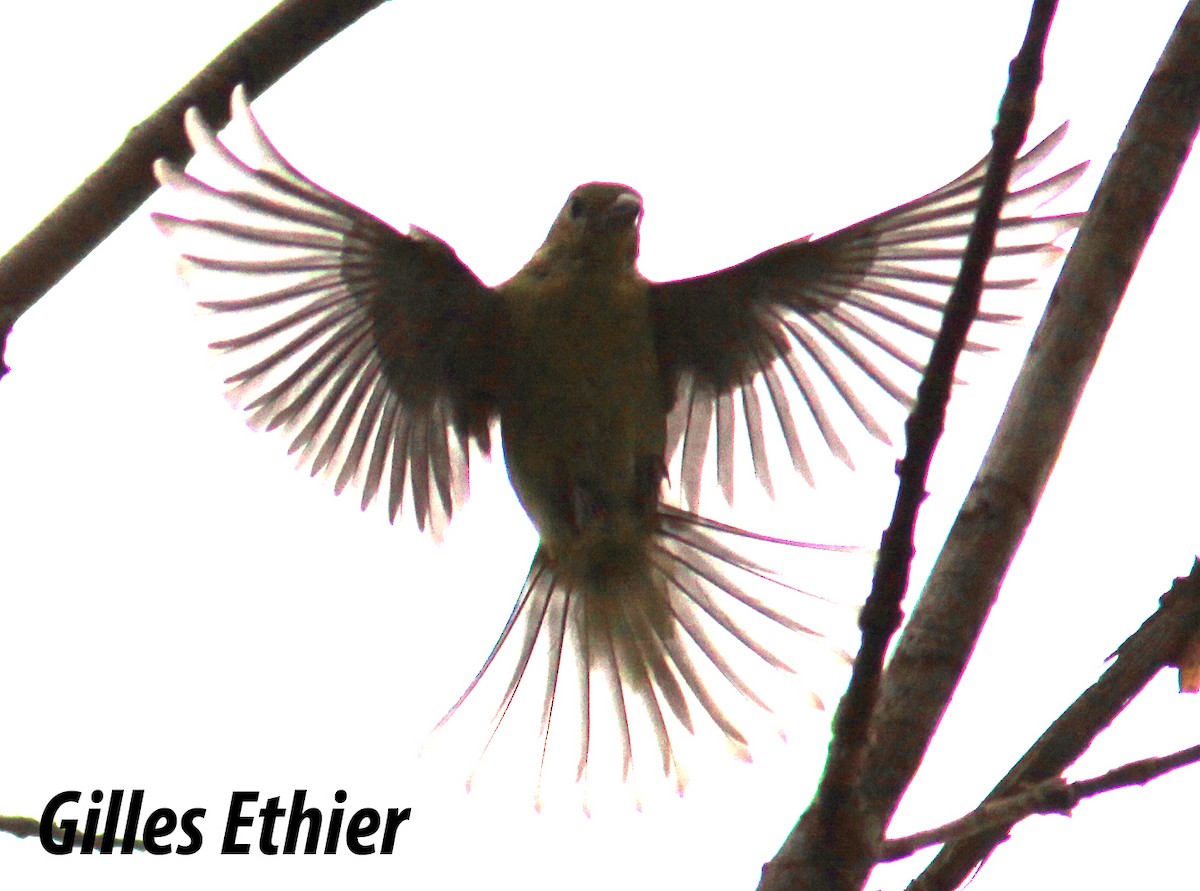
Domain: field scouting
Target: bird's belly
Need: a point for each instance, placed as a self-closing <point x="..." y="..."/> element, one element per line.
<point x="587" y="414"/>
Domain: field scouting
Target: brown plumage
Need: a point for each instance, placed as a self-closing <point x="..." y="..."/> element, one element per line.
<point x="385" y="359"/>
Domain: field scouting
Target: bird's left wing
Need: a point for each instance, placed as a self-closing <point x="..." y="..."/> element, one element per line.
<point x="793" y="335"/>
<point x="377" y="351"/>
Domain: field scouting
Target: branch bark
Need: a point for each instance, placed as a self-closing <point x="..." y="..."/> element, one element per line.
<point x="933" y="652"/>
<point x="1157" y="643"/>
<point x="27" y="827"/>
<point x="1050" y="796"/>
<point x="834" y="844"/>
<point x="118" y="187"/>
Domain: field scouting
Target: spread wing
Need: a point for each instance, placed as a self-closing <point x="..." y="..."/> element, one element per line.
<point x="374" y="350"/>
<point x="802" y="335"/>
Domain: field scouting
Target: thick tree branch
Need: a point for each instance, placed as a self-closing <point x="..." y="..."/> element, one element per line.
<point x="833" y="845"/>
<point x="933" y="652"/>
<point x="258" y="58"/>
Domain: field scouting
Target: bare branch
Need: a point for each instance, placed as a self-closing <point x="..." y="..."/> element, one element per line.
<point x="21" y="827"/>
<point x="258" y="58"/>
<point x="931" y="656"/>
<point x="1051" y="796"/>
<point x="833" y="845"/>
<point x="1157" y="643"/>
<point x="25" y="827"/>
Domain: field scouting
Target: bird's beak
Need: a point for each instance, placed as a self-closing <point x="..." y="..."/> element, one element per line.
<point x="625" y="210"/>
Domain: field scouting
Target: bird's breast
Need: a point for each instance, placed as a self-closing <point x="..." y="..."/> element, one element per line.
<point x="584" y="413"/>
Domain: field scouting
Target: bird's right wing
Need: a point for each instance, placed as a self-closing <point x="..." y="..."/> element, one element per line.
<point x="378" y="352"/>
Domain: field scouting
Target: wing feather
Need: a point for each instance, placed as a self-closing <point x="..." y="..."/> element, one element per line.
<point x="836" y="320"/>
<point x="376" y="351"/>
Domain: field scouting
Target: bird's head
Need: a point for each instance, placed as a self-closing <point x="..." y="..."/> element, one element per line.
<point x="599" y="223"/>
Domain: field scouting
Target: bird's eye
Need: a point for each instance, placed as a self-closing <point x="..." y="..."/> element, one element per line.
<point x="576" y="207"/>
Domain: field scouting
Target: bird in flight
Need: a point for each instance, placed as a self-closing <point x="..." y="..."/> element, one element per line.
<point x="389" y="363"/>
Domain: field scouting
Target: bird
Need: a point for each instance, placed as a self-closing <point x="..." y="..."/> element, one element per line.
<point x="389" y="363"/>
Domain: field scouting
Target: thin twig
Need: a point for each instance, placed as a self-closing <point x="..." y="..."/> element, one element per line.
<point x="1050" y="796"/>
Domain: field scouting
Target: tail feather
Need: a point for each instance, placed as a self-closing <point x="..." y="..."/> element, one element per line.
<point x="652" y="643"/>
<point x="687" y="670"/>
<point x="697" y="633"/>
<point x="713" y="553"/>
<point x="530" y="588"/>
<point x="639" y="663"/>
<point x="691" y="586"/>
<point x="585" y="689"/>
<point x="560" y="610"/>
<point x="673" y="636"/>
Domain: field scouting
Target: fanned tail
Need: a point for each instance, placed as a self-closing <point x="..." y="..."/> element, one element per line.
<point x="681" y="635"/>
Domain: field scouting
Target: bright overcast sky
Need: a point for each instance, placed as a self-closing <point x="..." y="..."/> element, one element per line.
<point x="185" y="614"/>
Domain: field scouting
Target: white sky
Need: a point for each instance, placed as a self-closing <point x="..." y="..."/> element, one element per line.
<point x="187" y="615"/>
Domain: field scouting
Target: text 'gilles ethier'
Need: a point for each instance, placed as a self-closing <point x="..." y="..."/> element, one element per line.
<point x="272" y="828"/>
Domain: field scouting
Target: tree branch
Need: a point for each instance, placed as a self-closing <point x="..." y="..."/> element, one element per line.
<point x="119" y="186"/>
<point x="1050" y="796"/>
<point x="25" y="827"/>
<point x="833" y="845"/>
<point x="946" y="622"/>
<point x="1157" y="643"/>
